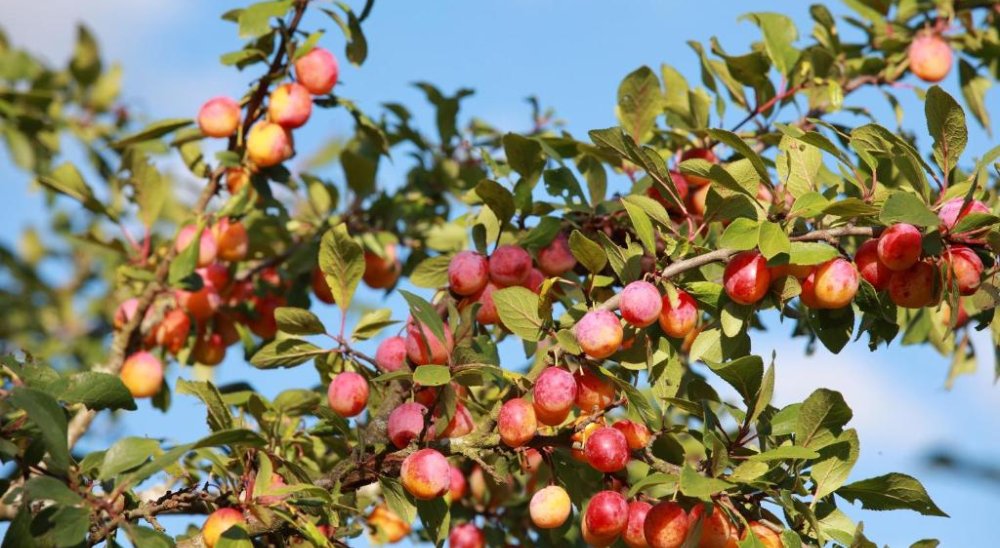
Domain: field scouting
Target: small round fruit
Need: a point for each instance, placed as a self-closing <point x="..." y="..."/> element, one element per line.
<point x="461" y="424"/>
<point x="348" y="394"/>
<point x="553" y="396"/>
<point x="665" y="199"/>
<point x="231" y="240"/>
<point x="746" y="278"/>
<point x="405" y="423"/>
<point x="599" y="333"/>
<point x="797" y="271"/>
<point x="289" y="105"/>
<point x="209" y="349"/>
<point x="425" y="474"/>
<point x="697" y="201"/>
<point x="466" y="535"/>
<point x="766" y="536"/>
<point x="871" y="268"/>
<point x="635" y="535"/>
<point x="899" y="247"/>
<point x="698" y="154"/>
<point x="387" y="525"/>
<point x="487" y="313"/>
<point x="930" y="57"/>
<point x="320" y="288"/>
<point x="468" y="273"/>
<point x="457" y="485"/>
<point x="637" y="435"/>
<point x="952" y="212"/>
<point x="172" y="332"/>
<point x="666" y="525"/>
<point x="269" y="144"/>
<point x="556" y="259"/>
<point x="640" y="303"/>
<point x="607" y="450"/>
<point x="832" y="285"/>
<point x="219" y="117"/>
<point x="317" y="71"/>
<point x="549" y="507"/>
<point x="517" y="423"/>
<point x="677" y="321"/>
<point x="915" y="287"/>
<point x="509" y="265"/>
<point x="391" y="354"/>
<point x="607" y="514"/>
<point x="716" y="529"/>
<point x="125" y="312"/>
<point x="535" y="280"/>
<point x="142" y="374"/>
<point x="381" y="272"/>
<point x="593" y="393"/>
<point x="219" y="522"/>
<point x="965" y="269"/>
<point x="424" y="347"/>
<point x="579" y="440"/>
<point x="206" y="245"/>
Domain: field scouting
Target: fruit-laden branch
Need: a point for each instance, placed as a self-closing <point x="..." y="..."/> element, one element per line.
<point x="720" y="255"/>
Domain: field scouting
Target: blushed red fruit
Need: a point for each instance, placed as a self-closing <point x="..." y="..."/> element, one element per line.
<point x="556" y="259"/>
<point x="320" y="288"/>
<point x="716" y="529"/>
<point x="290" y="105"/>
<point x="870" y="267"/>
<point x="599" y="333"/>
<point x="698" y="154"/>
<point x="832" y="285"/>
<point x="535" y="280"/>
<point x="666" y="525"/>
<point x="206" y="247"/>
<point x="765" y="535"/>
<point x="680" y="184"/>
<point x="203" y="303"/>
<point x="425" y="474"/>
<point x="487" y="313"/>
<point x="125" y="312"/>
<point x="677" y="321"/>
<point x="219" y="117"/>
<point x="960" y="321"/>
<point x="607" y="514"/>
<point x="231" y="240"/>
<point x="172" y="331"/>
<point x="579" y="440"/>
<point x="637" y="435"/>
<point x="219" y="522"/>
<point x="269" y="144"/>
<point x="607" y="450"/>
<point x="797" y="271"/>
<point x="382" y="271"/>
<point x="899" y="247"/>
<point x="553" y="396"/>
<point x="317" y="71"/>
<point x="915" y="287"/>
<point x="209" y="349"/>
<point x="697" y="199"/>
<point x="388" y="526"/>
<point x="424" y="347"/>
<point x="596" y="541"/>
<point x="640" y="303"/>
<point x="635" y="535"/>
<point x="549" y="507"/>
<point x="142" y="374"/>
<point x="225" y="326"/>
<point x="466" y="535"/>
<point x="391" y="354"/>
<point x="461" y="424"/>
<point x="746" y="277"/>
<point x="965" y="269"/>
<point x="468" y="273"/>
<point x="405" y="423"/>
<point x="348" y="394"/>
<point x="509" y="265"/>
<point x="930" y="57"/>
<point x="593" y="393"/>
<point x="263" y="323"/>
<point x="952" y="212"/>
<point x="517" y="423"/>
<point x="456" y="484"/>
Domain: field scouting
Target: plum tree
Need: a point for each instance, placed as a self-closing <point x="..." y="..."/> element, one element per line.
<point x="506" y="324"/>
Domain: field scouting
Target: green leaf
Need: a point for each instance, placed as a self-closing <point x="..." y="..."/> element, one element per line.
<point x="835" y="463"/>
<point x="397" y="500"/>
<point x="742" y="234"/>
<point x="50" y="419"/>
<point x="342" y="261"/>
<point x="219" y="417"/>
<point x="891" y="492"/>
<point x="298" y="321"/>
<point x="975" y="221"/>
<point x="773" y="240"/>
<point x="974" y="88"/>
<point x="786" y="452"/>
<point x="693" y="484"/>
<point x="806" y="253"/>
<point x="151" y="190"/>
<point x="285" y="353"/>
<point x="67" y="180"/>
<point x="779" y="38"/>
<point x="432" y="375"/>
<point x="946" y="124"/>
<point x="231" y="437"/>
<point x="360" y="166"/>
<point x="799" y="163"/>
<point x="651" y="207"/>
<point x="41" y="488"/>
<point x="499" y="199"/>
<point x="905" y="207"/>
<point x="70" y="525"/>
<point x="254" y="20"/>
<point x="744" y="374"/>
<point x="147" y="537"/>
<point x="153" y="131"/>
<point x="639" y="103"/>
<point x="425" y="314"/>
<point x="371" y="323"/>
<point x="431" y="273"/>
<point x="590" y="254"/>
<point x="307" y="45"/>
<point x="524" y="155"/>
<point x="126" y="454"/>
<point x="98" y="391"/>
<point x="821" y="418"/>
<point x="642" y="225"/>
<point x="518" y="310"/>
<point x="181" y="273"/>
<point x="743" y="149"/>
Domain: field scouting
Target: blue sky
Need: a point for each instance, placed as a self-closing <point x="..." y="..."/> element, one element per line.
<point x="572" y="55"/>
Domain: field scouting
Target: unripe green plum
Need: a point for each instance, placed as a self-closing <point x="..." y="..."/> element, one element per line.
<point x="666" y="525"/>
<point x="289" y="105"/>
<point x="219" y="522"/>
<point x="317" y="71"/>
<point x="677" y="321"/>
<point x="635" y="535"/>
<point x="556" y="259"/>
<point x="553" y="395"/>
<point x="391" y="354"/>
<point x="517" y="423"/>
<point x="510" y="265"/>
<point x="219" y="117"/>
<point x="549" y="507"/>
<point x="930" y="57"/>
<point x="468" y="273"/>
<point x="425" y="474"/>
<point x="606" y="515"/>
<point x="607" y="450"/>
<point x="599" y="333"/>
<point x="746" y="278"/>
<point x="142" y="374"/>
<point x="915" y="287"/>
<point x="870" y="267"/>
<point x="466" y="535"/>
<point x="899" y="247"/>
<point x="965" y="269"/>
<point x="268" y="144"/>
<point x="423" y="347"/>
<point x="640" y="303"/>
<point x="348" y="394"/>
<point x="405" y="423"/>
